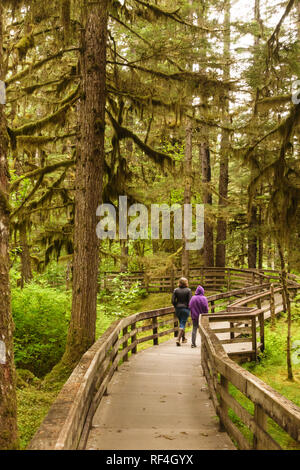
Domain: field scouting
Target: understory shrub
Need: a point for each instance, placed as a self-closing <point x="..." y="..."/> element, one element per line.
<point x="41" y="321"/>
<point x="114" y="303"/>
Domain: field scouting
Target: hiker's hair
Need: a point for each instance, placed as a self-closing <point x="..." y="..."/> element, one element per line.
<point x="183" y="282"/>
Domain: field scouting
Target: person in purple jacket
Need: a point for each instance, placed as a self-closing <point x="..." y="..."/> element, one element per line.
<point x="198" y="304"/>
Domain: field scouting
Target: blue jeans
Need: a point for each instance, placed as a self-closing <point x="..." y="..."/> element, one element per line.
<point x="182" y="315"/>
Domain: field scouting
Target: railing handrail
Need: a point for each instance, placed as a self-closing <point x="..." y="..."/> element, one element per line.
<point x="285" y="413"/>
<point x="213" y="278"/>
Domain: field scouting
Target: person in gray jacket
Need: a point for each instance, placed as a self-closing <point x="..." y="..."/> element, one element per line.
<point x="180" y="299"/>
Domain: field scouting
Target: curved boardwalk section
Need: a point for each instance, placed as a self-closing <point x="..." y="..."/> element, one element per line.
<point x="158" y="400"/>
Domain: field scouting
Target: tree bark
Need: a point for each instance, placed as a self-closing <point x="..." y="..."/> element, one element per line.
<point x="8" y="402"/>
<point x="252" y="238"/>
<point x="253" y="213"/>
<point x="224" y="152"/>
<point x="124" y="255"/>
<point x="207" y="200"/>
<point x="260" y="240"/>
<point x="187" y="192"/>
<point x="26" y="271"/>
<point x="289" y="312"/>
<point x="88" y="183"/>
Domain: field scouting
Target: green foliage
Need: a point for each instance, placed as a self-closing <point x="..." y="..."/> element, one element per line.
<point x="115" y="302"/>
<point x="40" y="315"/>
<point x="54" y="276"/>
<point x="24" y="376"/>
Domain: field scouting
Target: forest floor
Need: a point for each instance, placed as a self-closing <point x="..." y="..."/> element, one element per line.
<point x="34" y="401"/>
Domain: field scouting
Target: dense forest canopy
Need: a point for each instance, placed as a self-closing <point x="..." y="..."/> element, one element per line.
<point x="162" y="101"/>
<point x="166" y="64"/>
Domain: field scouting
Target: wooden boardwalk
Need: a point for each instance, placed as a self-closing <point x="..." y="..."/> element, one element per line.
<point x="158" y="400"/>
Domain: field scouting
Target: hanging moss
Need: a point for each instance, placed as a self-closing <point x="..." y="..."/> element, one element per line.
<point x="32" y="142"/>
<point x="50" y="119"/>
<point x="23" y="46"/>
<point x="271" y="102"/>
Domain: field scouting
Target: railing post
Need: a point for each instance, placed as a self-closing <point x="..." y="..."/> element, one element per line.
<point x="223" y="405"/>
<point x="125" y="344"/>
<point x="262" y="331"/>
<point x="202" y="276"/>
<point x="258" y="303"/>
<point x="172" y="279"/>
<point x="146" y="282"/>
<point x="228" y="279"/>
<point x="133" y="339"/>
<point x="155" y="330"/>
<point x="284" y="300"/>
<point x="116" y="353"/>
<point x="254" y="339"/>
<point x="272" y="306"/>
<point x="213" y="306"/>
<point x="232" y="332"/>
<point x="260" y="419"/>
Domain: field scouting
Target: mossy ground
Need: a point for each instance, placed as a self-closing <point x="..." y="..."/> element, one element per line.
<point x="33" y="405"/>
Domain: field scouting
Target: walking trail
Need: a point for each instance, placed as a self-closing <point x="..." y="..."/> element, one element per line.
<point x="158" y="400"/>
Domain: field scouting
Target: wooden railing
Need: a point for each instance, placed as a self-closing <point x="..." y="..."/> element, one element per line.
<point x="209" y="278"/>
<point x="68" y="422"/>
<point x="222" y="373"/>
<point x="244" y="326"/>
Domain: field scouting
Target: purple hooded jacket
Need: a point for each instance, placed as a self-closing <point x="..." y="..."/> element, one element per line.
<point x="198" y="303"/>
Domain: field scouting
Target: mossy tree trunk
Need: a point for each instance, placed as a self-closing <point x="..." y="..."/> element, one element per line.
<point x="26" y="271"/>
<point x="255" y="242"/>
<point x="207" y="200"/>
<point x="187" y="191"/>
<point x="289" y="312"/>
<point x="224" y="151"/>
<point x="124" y="255"/>
<point x="205" y="160"/>
<point x="88" y="183"/>
<point x="8" y="403"/>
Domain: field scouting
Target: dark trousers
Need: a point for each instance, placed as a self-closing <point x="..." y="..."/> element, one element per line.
<point x="194" y="332"/>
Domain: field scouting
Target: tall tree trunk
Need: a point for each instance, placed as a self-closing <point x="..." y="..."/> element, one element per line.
<point x="26" y="271"/>
<point x="8" y="402"/>
<point x="224" y="151"/>
<point x="207" y="200"/>
<point x="289" y="312"/>
<point x="187" y="191"/>
<point x="88" y="183"/>
<point x="124" y="255"/>
<point x="252" y="238"/>
<point x="260" y="240"/>
<point x="253" y="216"/>
<point x="204" y="151"/>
